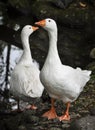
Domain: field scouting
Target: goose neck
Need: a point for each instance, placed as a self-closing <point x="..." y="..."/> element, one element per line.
<point x="26" y="47"/>
<point x="53" y="51"/>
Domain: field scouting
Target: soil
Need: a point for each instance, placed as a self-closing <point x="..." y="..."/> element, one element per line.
<point x="33" y="120"/>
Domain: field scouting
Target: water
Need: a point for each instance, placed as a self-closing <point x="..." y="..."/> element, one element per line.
<point x="15" y="54"/>
<point x="9" y="54"/>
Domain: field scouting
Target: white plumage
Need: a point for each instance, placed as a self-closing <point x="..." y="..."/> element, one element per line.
<point x="25" y="83"/>
<point x="61" y="82"/>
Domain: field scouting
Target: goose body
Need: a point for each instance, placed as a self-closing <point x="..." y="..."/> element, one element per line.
<point x="62" y="82"/>
<point x="72" y="82"/>
<point x="25" y="82"/>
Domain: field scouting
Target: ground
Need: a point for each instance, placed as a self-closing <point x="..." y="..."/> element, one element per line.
<point x="33" y="120"/>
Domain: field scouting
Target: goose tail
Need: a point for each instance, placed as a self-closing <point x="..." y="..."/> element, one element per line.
<point x="86" y="74"/>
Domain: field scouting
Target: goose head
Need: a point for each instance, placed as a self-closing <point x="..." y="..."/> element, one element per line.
<point x="28" y="30"/>
<point x="48" y="24"/>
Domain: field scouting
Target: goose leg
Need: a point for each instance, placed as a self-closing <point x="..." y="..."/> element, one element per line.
<point x="18" y="107"/>
<point x="51" y="114"/>
<point x="32" y="107"/>
<point x="66" y="116"/>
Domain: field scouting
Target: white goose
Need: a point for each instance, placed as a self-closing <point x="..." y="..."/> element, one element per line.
<point x="25" y="82"/>
<point x="61" y="82"/>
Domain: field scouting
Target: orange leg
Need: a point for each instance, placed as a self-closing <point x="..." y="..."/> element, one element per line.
<point x="51" y="114"/>
<point x="66" y="116"/>
<point x="32" y="107"/>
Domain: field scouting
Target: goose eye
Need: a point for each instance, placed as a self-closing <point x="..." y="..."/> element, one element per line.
<point x="29" y="27"/>
<point x="49" y="20"/>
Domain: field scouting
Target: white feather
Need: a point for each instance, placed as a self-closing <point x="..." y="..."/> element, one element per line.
<point x="61" y="82"/>
<point x="25" y="82"/>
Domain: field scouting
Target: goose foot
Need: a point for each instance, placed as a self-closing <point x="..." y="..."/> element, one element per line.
<point x="51" y="114"/>
<point x="65" y="117"/>
<point x="31" y="107"/>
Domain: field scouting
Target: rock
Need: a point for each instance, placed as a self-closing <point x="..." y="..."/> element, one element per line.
<point x="66" y="126"/>
<point x="22" y="6"/>
<point x="2" y="125"/>
<point x="59" y="4"/>
<point x="92" y="53"/>
<point x="22" y="127"/>
<point x="29" y="116"/>
<point x="33" y="119"/>
<point x="91" y="67"/>
<point x="92" y="111"/>
<point x="75" y="31"/>
<point x="12" y="123"/>
<point x="62" y="3"/>
<point x="85" y="123"/>
<point x="73" y="15"/>
<point x="55" y="128"/>
<point x="67" y="2"/>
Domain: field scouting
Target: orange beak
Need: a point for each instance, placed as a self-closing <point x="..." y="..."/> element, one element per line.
<point x="35" y="28"/>
<point x="41" y="23"/>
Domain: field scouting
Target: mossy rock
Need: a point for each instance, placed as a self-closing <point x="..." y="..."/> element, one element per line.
<point x="20" y="3"/>
<point x="73" y="14"/>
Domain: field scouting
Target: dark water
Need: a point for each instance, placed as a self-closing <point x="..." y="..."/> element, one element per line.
<point x="9" y="54"/>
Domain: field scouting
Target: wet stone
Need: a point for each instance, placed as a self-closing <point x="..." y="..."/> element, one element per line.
<point x="85" y="123"/>
<point x="65" y="125"/>
<point x="54" y="128"/>
<point x="28" y="116"/>
<point x="55" y="120"/>
<point x="38" y="128"/>
<point x="32" y="119"/>
<point x="29" y="112"/>
<point x="65" y="122"/>
<point x="22" y="127"/>
<point x="92" y="111"/>
<point x="74" y="115"/>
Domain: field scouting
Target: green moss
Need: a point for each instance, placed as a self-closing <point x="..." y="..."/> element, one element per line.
<point x="20" y="3"/>
<point x="42" y="9"/>
<point x="75" y="14"/>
